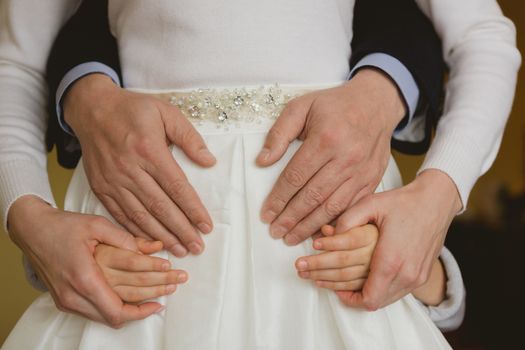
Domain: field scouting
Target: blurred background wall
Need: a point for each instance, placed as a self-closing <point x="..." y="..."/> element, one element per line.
<point x="508" y="171"/>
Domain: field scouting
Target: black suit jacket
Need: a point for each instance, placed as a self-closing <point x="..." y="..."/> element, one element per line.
<point x="394" y="27"/>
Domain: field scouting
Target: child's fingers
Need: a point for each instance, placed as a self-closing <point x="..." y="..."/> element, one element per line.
<point x="132" y="294"/>
<point x="337" y="275"/>
<point x="328" y="230"/>
<point x="354" y="285"/>
<point x="146" y="279"/>
<point x="354" y="239"/>
<point x="333" y="260"/>
<point x="129" y="261"/>
<point x="148" y="246"/>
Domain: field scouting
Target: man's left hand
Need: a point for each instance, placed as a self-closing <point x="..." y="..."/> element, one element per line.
<point x="346" y="132"/>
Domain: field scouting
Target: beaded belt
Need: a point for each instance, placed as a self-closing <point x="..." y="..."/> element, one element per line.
<point x="230" y="106"/>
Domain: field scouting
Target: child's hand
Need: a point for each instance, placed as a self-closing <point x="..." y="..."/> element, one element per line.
<point x="136" y="277"/>
<point x="344" y="264"/>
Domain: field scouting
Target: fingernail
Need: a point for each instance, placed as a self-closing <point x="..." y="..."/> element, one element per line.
<point x="160" y="309"/>
<point x="268" y="216"/>
<point x="179" y="251"/>
<point x="302" y="265"/>
<point x="304" y="274"/>
<point x="207" y="156"/>
<point x="278" y="231"/>
<point x="182" y="278"/>
<point x="170" y="289"/>
<point x="264" y="155"/>
<point x="195" y="248"/>
<point x="291" y="239"/>
<point x="166" y="266"/>
<point x="204" y="228"/>
<point x="318" y="245"/>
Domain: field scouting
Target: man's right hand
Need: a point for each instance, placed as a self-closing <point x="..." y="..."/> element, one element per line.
<point x="124" y="138"/>
<point x="61" y="245"/>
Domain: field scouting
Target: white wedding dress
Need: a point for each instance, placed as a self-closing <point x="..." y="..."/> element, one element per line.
<point x="243" y="291"/>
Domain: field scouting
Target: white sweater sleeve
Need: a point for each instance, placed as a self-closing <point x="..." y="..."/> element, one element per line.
<point x="479" y="46"/>
<point x="449" y="314"/>
<point x="27" y="31"/>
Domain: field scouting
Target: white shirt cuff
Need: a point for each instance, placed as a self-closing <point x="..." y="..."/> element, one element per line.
<point x="398" y="73"/>
<point x="71" y="77"/>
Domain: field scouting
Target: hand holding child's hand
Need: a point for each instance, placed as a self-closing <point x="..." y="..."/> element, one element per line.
<point x="344" y="264"/>
<point x="136" y="277"/>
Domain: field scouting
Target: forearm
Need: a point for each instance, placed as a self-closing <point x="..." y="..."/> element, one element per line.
<point x="433" y="292"/>
<point x="480" y="49"/>
<point x="30" y="29"/>
<point x="449" y="312"/>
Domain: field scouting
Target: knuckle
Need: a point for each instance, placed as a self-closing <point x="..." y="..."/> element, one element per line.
<point x="370" y="304"/>
<point x="119" y="216"/>
<point x="313" y="197"/>
<point x="122" y="165"/>
<point x="333" y="208"/>
<point x="356" y="155"/>
<point x="329" y="139"/>
<point x="277" y="203"/>
<point x="139" y="217"/>
<point x="409" y="276"/>
<point x="142" y="279"/>
<point x="159" y="208"/>
<point x="114" y="319"/>
<point x="342" y="274"/>
<point x="294" y="177"/>
<point x="66" y="302"/>
<point x="342" y="259"/>
<point x="98" y="189"/>
<point x="176" y="189"/>
<point x="83" y="282"/>
<point x="145" y="148"/>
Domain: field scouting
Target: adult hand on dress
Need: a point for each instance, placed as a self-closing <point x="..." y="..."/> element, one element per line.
<point x="413" y="221"/>
<point x="346" y="132"/>
<point x="60" y="246"/>
<point x="124" y="138"/>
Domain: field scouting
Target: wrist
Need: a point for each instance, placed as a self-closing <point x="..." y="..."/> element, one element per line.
<point x="21" y="214"/>
<point x="441" y="187"/>
<point x="89" y="90"/>
<point x="384" y="94"/>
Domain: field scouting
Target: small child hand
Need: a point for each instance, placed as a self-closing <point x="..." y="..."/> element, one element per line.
<point x="137" y="277"/>
<point x="345" y="262"/>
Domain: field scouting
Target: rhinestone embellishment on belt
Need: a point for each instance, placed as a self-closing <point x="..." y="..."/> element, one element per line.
<point x="226" y="107"/>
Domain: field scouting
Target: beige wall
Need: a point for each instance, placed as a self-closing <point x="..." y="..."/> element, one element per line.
<point x="16" y="295"/>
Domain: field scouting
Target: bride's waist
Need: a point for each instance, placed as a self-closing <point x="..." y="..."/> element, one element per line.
<point x="234" y="108"/>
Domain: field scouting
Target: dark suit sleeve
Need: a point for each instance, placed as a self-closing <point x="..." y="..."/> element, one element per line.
<point x="399" y="28"/>
<point x="86" y="37"/>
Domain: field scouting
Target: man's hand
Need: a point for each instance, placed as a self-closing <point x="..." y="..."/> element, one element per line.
<point x="346" y="132"/>
<point x="124" y="138"/>
<point x="413" y="222"/>
<point x="60" y="246"/>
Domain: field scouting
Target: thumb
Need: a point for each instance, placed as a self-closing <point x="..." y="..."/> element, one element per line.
<point x="360" y="214"/>
<point x="147" y="246"/>
<point x="286" y="128"/>
<point x="111" y="235"/>
<point x="350" y="298"/>
<point x="183" y="134"/>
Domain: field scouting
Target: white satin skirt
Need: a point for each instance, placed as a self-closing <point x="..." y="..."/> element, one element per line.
<point x="243" y="292"/>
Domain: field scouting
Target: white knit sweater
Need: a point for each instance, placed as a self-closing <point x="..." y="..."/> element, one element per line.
<point x="171" y="44"/>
